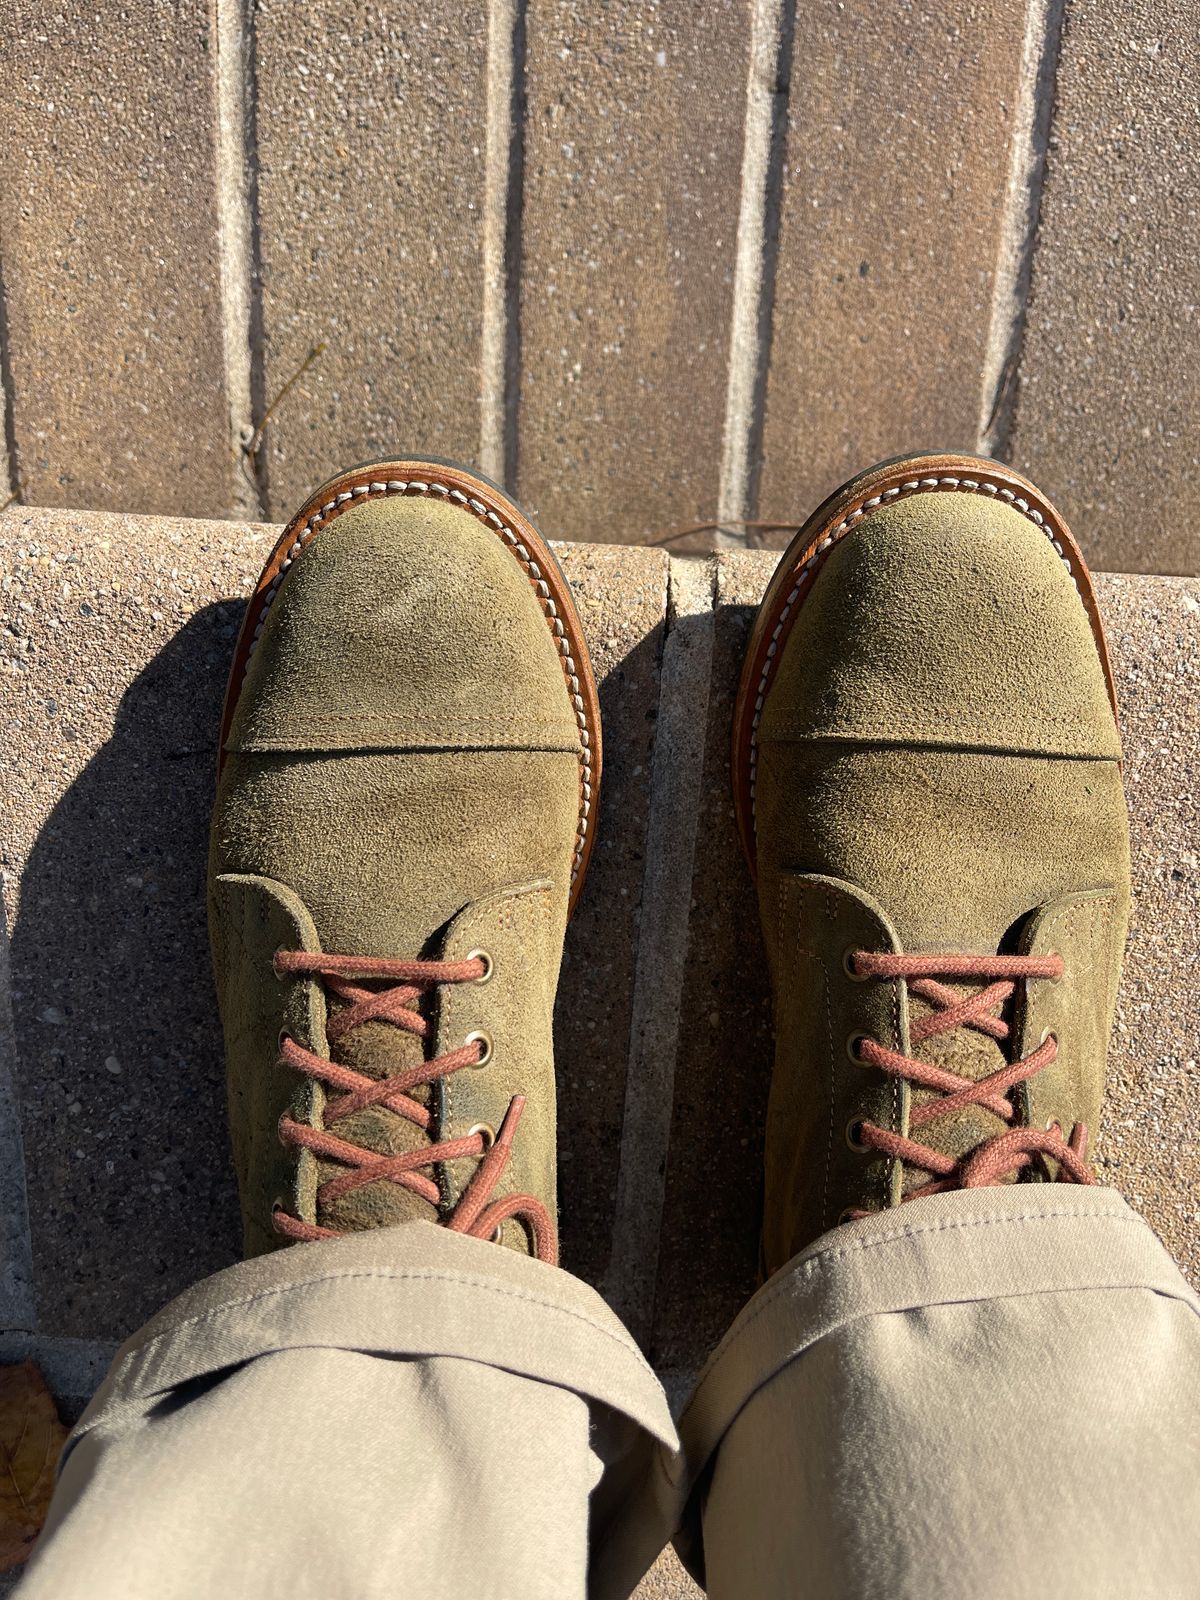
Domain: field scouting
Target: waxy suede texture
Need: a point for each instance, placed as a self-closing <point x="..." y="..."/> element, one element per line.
<point x="402" y="780"/>
<point x="938" y="771"/>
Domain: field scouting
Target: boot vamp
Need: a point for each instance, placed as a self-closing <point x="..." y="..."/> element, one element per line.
<point x="962" y="849"/>
<point x="395" y="856"/>
<point x="384" y="849"/>
<point x="404" y="761"/>
<point x="938" y="736"/>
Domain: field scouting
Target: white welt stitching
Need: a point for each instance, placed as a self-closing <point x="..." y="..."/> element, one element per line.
<point x="912" y="486"/>
<point x="490" y="520"/>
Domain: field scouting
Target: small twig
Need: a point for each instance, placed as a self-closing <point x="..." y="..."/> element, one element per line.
<point x="1007" y="375"/>
<point x="716" y="527"/>
<point x="250" y="450"/>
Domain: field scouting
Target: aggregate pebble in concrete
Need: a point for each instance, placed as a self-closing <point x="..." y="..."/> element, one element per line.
<point x="118" y="633"/>
<point x="633" y="139"/>
<point x="111" y="280"/>
<point x="1108" y="405"/>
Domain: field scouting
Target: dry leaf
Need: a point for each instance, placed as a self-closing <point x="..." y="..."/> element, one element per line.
<point x="31" y="1441"/>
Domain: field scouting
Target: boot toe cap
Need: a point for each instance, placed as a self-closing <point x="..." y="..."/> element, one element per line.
<point x="406" y="624"/>
<point x="945" y="619"/>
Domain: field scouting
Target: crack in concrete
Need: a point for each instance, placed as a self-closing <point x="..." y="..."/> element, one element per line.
<point x="1018" y="230"/>
<point x="236" y="246"/>
<point x="503" y="182"/>
<point x="767" y="88"/>
<point x="10" y="482"/>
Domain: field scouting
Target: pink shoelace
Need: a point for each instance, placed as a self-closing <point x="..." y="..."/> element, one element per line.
<point x="476" y="1213"/>
<point x="1006" y="1153"/>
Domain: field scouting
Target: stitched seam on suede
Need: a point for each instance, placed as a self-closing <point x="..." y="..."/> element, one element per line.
<point x="423" y="723"/>
<point x="895" y="1089"/>
<point x="515" y="902"/>
<point x="1095" y="908"/>
<point x="1101" y="908"/>
<point x="857" y="1247"/>
<point x="797" y="730"/>
<point x="460" y="1280"/>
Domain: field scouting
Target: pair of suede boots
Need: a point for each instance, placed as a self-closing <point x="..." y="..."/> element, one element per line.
<point x="926" y="771"/>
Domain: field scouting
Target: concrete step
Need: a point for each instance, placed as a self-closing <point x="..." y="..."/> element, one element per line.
<point x="117" y="638"/>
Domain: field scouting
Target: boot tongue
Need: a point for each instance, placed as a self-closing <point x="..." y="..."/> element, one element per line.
<point x="970" y="1054"/>
<point x="380" y="1050"/>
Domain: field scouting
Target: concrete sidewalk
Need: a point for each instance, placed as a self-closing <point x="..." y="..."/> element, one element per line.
<point x="117" y="635"/>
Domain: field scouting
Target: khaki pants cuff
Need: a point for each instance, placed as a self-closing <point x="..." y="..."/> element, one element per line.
<point x="552" y="1401"/>
<point x="407" y="1291"/>
<point x="975" y="1245"/>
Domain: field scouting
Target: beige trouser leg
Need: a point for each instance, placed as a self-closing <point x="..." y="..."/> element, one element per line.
<point x="403" y="1412"/>
<point x="987" y="1394"/>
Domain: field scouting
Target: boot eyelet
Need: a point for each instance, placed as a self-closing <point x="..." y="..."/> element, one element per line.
<point x="489" y="964"/>
<point x="852" y="1049"/>
<point x="283" y="1037"/>
<point x="486" y="1046"/>
<point x="485" y="1132"/>
<point x="497" y="1234"/>
<point x="847" y="1215"/>
<point x="1053" y="1125"/>
<point x="854" y="1136"/>
<point x="1047" y="1033"/>
<point x="849" y="967"/>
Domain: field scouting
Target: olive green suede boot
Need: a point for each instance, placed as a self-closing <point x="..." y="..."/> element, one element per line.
<point x="410" y="760"/>
<point x="928" y="784"/>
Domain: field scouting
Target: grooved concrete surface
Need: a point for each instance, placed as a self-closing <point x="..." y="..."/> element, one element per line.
<point x="116" y="635"/>
<point x="629" y="229"/>
<point x="899" y="125"/>
<point x="1108" y="404"/>
<point x="650" y="265"/>
<point x="110" y="310"/>
<point x="371" y="134"/>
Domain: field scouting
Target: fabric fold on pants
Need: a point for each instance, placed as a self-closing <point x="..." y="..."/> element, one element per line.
<point x="402" y="1406"/>
<point x="988" y="1392"/>
<point x="992" y="1393"/>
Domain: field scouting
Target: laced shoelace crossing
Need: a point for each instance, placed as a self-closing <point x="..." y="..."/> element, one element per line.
<point x="1007" y="1153"/>
<point x="476" y="1213"/>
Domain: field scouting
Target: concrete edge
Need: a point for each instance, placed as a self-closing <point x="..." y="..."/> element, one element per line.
<point x="73" y="1368"/>
<point x="666" y="893"/>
